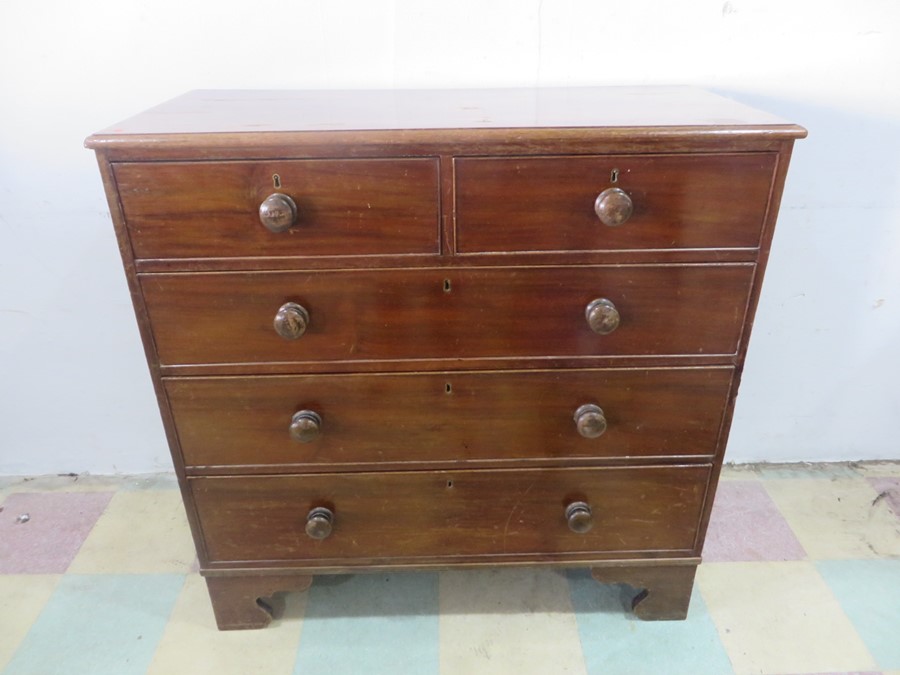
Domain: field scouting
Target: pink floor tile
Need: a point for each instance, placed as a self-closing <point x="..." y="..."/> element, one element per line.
<point x="58" y="523"/>
<point x="746" y="526"/>
<point x="889" y="491"/>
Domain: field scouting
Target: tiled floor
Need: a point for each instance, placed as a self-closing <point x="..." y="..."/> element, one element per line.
<point x="801" y="575"/>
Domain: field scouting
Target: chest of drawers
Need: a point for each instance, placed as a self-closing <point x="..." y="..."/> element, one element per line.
<point x="418" y="330"/>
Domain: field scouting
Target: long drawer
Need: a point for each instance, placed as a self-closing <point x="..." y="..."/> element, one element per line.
<point x="345" y="207"/>
<point x="448" y="313"/>
<point x="449" y="515"/>
<point x="678" y="201"/>
<point x="381" y="420"/>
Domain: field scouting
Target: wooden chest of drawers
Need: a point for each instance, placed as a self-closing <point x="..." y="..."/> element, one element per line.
<point x="412" y="330"/>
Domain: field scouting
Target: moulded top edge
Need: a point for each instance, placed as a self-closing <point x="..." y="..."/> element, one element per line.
<point x="683" y="110"/>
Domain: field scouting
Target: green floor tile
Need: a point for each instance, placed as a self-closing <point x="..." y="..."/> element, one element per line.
<point x="615" y="642"/>
<point x="869" y="592"/>
<point x="98" y="625"/>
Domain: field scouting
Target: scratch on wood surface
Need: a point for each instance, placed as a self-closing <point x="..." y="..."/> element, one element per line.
<point x="512" y="511"/>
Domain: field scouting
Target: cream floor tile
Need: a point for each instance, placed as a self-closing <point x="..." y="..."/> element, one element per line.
<point x="520" y="618"/>
<point x="192" y="644"/>
<point x="22" y="597"/>
<point x="151" y="481"/>
<point x="65" y="483"/>
<point x="780" y="617"/>
<point x="837" y="518"/>
<point x="811" y="470"/>
<point x="87" y="483"/>
<point x="739" y="472"/>
<point x="141" y="532"/>
<point x="877" y="469"/>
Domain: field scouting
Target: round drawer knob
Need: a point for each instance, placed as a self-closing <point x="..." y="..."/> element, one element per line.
<point x="602" y="316"/>
<point x="319" y="522"/>
<point x="291" y="320"/>
<point x="578" y="516"/>
<point x="613" y="207"/>
<point x="590" y="421"/>
<point x="306" y="425"/>
<point x="278" y="212"/>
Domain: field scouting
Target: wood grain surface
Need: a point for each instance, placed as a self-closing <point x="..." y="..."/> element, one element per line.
<point x="345" y="207"/>
<point x="408" y="314"/>
<point x="446" y="418"/>
<point x="547" y="203"/>
<point x="205" y="112"/>
<point x="445" y="514"/>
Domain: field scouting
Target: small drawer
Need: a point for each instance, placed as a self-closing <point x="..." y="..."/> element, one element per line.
<point x="222" y="318"/>
<point x="314" y="421"/>
<point x="343" y="207"/>
<point x="364" y="518"/>
<point x="548" y="203"/>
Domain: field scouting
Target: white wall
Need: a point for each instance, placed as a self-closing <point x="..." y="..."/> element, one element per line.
<point x="822" y="376"/>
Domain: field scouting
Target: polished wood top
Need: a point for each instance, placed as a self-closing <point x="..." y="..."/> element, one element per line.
<point x="228" y="112"/>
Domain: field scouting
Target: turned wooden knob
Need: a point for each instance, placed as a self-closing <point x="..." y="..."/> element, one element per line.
<point x="291" y="320"/>
<point x="278" y="212"/>
<point x="306" y="425"/>
<point x="578" y="516"/>
<point x="319" y="522"/>
<point x="590" y="421"/>
<point x="613" y="207"/>
<point x="602" y="316"/>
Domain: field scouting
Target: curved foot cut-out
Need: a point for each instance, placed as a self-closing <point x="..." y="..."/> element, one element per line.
<point x="251" y="602"/>
<point x="664" y="591"/>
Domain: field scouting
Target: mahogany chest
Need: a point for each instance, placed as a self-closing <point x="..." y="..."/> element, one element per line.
<point x="430" y="329"/>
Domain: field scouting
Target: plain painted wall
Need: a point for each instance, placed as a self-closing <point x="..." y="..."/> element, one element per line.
<point x="823" y="370"/>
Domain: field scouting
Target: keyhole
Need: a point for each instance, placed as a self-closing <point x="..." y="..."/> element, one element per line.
<point x="276" y="180"/>
<point x="447" y="287"/>
<point x="614" y="176"/>
<point x="448" y="388"/>
<point x="449" y="483"/>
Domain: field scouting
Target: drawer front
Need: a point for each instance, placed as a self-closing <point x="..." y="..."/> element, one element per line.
<point x="547" y="204"/>
<point x="344" y="207"/>
<point x="452" y="313"/>
<point x="446" y="515"/>
<point x="447" y="417"/>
